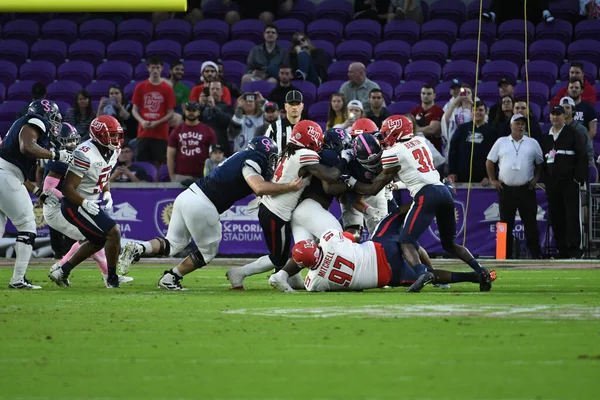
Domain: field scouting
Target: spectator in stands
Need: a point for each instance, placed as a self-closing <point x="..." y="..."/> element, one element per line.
<point x="216" y="113"/>
<point x="377" y="113"/>
<point x="284" y="85"/>
<point x="455" y="88"/>
<point x="82" y="115"/>
<point x="153" y="104"/>
<point x="338" y="112"/>
<point x="532" y="128"/>
<point x="503" y="10"/>
<point x="506" y="87"/>
<point x="504" y="113"/>
<point x="264" y="59"/>
<point x="247" y="117"/>
<point x="307" y="62"/>
<point x="519" y="160"/>
<point x="233" y="89"/>
<point x="355" y="112"/>
<point x="189" y="145"/>
<point x="459" y="112"/>
<point x="584" y="111"/>
<point x="182" y="91"/>
<point x="429" y="116"/>
<point x="405" y="9"/>
<point x="590" y="8"/>
<point x="208" y="73"/>
<point x="217" y="156"/>
<point x="126" y="171"/>
<point x="270" y="114"/>
<point x="358" y="87"/>
<point x="568" y="105"/>
<point x="469" y="150"/>
<point x="113" y="106"/>
<point x="38" y="91"/>
<point x="267" y="11"/>
<point x="589" y="93"/>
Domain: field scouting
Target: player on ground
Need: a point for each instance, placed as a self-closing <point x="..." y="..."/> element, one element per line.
<point x="27" y="141"/>
<point x="196" y="210"/>
<point x="86" y="180"/>
<point x="408" y="158"/>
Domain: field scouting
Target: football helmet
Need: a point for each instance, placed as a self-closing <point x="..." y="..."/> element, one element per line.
<point x="67" y="139"/>
<point x="337" y="139"/>
<point x="308" y="134"/>
<point x="395" y="128"/>
<point x="48" y="110"/>
<point x="363" y="125"/>
<point x="306" y="253"/>
<point x="367" y="152"/>
<point x="107" y="131"/>
<point x="267" y="146"/>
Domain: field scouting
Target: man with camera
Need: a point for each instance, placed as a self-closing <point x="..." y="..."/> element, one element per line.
<point x="216" y="113"/>
<point x="126" y="171"/>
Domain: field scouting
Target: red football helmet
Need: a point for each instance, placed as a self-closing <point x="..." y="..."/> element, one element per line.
<point x="308" y="134"/>
<point x="363" y="125"/>
<point x="107" y="131"/>
<point x="394" y="129"/>
<point x="306" y="253"/>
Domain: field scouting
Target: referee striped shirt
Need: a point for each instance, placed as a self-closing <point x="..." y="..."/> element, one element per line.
<point x="280" y="131"/>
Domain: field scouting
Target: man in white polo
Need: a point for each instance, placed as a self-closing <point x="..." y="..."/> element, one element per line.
<point x="519" y="159"/>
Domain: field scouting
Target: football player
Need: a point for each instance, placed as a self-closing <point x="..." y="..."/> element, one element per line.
<point x="27" y="141"/>
<point x="196" y="210"/>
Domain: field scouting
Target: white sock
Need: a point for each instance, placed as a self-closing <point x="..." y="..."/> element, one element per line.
<point x="263" y="264"/>
<point x="23" y="256"/>
<point x="147" y="247"/>
<point x="284" y="275"/>
<point x="176" y="272"/>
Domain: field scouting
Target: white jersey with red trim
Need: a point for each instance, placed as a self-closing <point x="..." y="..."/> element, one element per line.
<point x="416" y="164"/>
<point x="93" y="169"/>
<point x="287" y="170"/>
<point x="344" y="265"/>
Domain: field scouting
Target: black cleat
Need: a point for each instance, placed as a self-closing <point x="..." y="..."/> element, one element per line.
<point x="112" y="282"/>
<point x="420" y="283"/>
<point x="485" y="280"/>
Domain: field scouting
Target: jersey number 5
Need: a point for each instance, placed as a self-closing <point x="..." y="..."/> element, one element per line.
<point x="337" y="275"/>
<point x="424" y="160"/>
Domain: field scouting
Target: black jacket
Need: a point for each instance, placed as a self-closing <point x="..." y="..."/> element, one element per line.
<point x="459" y="155"/>
<point x="571" y="160"/>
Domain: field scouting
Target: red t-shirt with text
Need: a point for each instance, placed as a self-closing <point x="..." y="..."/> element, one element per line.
<point x="192" y="144"/>
<point x="153" y="103"/>
<point x="424" y="118"/>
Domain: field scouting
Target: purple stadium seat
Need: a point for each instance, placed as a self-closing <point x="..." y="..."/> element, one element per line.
<point x="402" y="107"/>
<point x="588" y="29"/>
<point x="60" y="29"/>
<point x="140" y="73"/>
<point x="557" y="30"/>
<point x="15" y="51"/>
<point x="163" y="174"/>
<point x="129" y="89"/>
<point x="118" y="71"/>
<point x="488" y="91"/>
<point x="248" y="29"/>
<point x="99" y="89"/>
<point x="263" y="87"/>
<point x="536" y="111"/>
<point x="541" y="71"/>
<point x="364" y="29"/>
<point x="467" y="50"/>
<point x="586" y="50"/>
<point x="329" y="30"/>
<point x="20" y="91"/>
<point x="177" y="30"/>
<point x="129" y="51"/>
<point x="338" y="70"/>
<point x="21" y="29"/>
<point x="203" y="50"/>
<point x="453" y="10"/>
<point x="81" y="72"/>
<point x="393" y="50"/>
<point x="387" y="90"/>
<point x="308" y="89"/>
<point x="470" y="29"/>
<point x="508" y="50"/>
<point x="149" y="168"/>
<point x="318" y="111"/>
<point x="515" y="29"/>
<point x="406" y="30"/>
<point x="135" y="29"/>
<point x="91" y="51"/>
<point x="234" y="70"/>
<point x="545" y="114"/>
<point x="168" y="50"/>
<point x="40" y="19"/>
<point x="564" y="9"/>
<point x="556" y="87"/>
<point x="473" y="10"/>
<point x="593" y="173"/>
<point x="236" y="50"/>
<point x="589" y="70"/>
<point x="63" y="106"/>
<point x="387" y="71"/>
<point x="424" y="71"/>
<point x="440" y="29"/>
<point x="328" y="88"/>
<point x="8" y="72"/>
<point x="496" y="70"/>
<point x="191" y="70"/>
<point x="101" y="30"/>
<point x="284" y="44"/>
<point x="2" y="92"/>
<point x="354" y="50"/>
<point x="303" y="10"/>
<point x="538" y="92"/>
<point x="327" y="47"/>
<point x="432" y="50"/>
<point x="409" y="91"/>
<point x="334" y="9"/>
<point x="63" y="91"/>
<point x="50" y="50"/>
<point x="442" y="92"/>
<point x="40" y="71"/>
<point x="9" y="110"/>
<point x="287" y="27"/>
<point x="465" y="70"/>
<point x="550" y="50"/>
<point x="212" y="29"/>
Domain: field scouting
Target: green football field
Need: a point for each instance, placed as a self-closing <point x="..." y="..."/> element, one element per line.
<point x="536" y="335"/>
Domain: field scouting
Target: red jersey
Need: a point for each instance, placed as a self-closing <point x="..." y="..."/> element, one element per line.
<point x="153" y="103"/>
<point x="192" y="144"/>
<point x="424" y="118"/>
<point x="197" y="92"/>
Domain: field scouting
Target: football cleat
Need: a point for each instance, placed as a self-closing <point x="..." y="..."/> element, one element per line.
<point x="24" y="284"/>
<point x="278" y="282"/>
<point x="236" y="277"/>
<point x="442" y="285"/>
<point x="131" y="253"/>
<point x="485" y="280"/>
<point x="420" y="283"/>
<point x="58" y="276"/>
<point x="122" y="279"/>
<point x="296" y="281"/>
<point x="112" y="282"/>
<point x="170" y="281"/>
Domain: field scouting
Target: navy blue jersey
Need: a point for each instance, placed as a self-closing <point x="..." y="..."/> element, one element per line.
<point x="360" y="173"/>
<point x="10" y="149"/>
<point x="59" y="168"/>
<point x="329" y="158"/>
<point x="226" y="184"/>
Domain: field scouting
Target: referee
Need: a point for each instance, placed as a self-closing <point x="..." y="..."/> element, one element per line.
<point x="519" y="160"/>
<point x="281" y="129"/>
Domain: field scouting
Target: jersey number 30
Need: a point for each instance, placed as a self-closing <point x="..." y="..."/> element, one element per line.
<point x="424" y="160"/>
<point x="337" y="275"/>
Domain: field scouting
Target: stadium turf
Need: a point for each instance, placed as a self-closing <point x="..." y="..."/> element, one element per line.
<point x="536" y="335"/>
